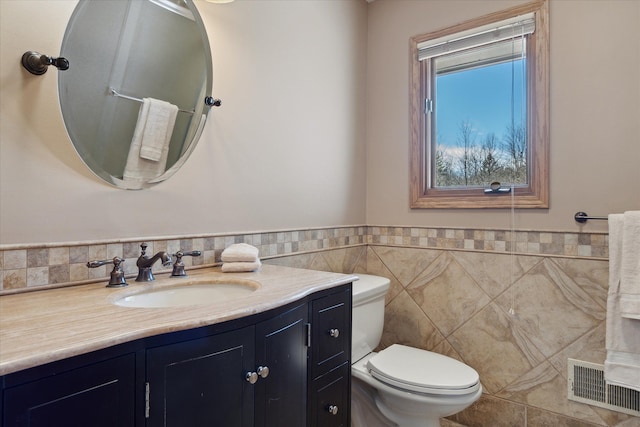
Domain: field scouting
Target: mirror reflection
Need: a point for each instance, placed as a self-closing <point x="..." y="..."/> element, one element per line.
<point x="133" y="98"/>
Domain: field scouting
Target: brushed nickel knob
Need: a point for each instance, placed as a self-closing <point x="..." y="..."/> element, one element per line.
<point x="332" y="409"/>
<point x="335" y="333"/>
<point x="263" y="371"/>
<point x="251" y="377"/>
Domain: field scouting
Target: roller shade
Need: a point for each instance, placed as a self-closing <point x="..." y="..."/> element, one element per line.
<point x="518" y="26"/>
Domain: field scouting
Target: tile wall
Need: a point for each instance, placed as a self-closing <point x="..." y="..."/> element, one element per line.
<point x="514" y="316"/>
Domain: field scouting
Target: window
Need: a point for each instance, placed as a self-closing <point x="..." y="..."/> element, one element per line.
<point x="479" y="112"/>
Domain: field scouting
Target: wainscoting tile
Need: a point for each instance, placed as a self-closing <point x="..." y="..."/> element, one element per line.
<point x="494" y="272"/>
<point x="489" y="411"/>
<point x="447" y="292"/>
<point x="491" y="344"/>
<point x="545" y="298"/>
<point x="406" y="324"/>
<point x="376" y="267"/>
<point x="406" y="263"/>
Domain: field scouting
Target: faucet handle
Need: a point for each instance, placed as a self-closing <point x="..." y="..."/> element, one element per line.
<point x="178" y="266"/>
<point x="117" y="279"/>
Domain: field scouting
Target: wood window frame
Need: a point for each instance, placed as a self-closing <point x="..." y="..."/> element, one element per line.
<point x="536" y="193"/>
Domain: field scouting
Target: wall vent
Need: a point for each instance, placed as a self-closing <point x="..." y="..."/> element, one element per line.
<point x="586" y="384"/>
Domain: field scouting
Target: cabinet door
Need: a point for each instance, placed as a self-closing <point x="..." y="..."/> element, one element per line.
<point x="201" y="382"/>
<point x="330" y="398"/>
<point x="98" y="395"/>
<point x="281" y="346"/>
<point x="331" y="340"/>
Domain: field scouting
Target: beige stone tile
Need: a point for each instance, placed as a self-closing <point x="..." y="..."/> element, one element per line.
<point x="344" y="260"/>
<point x="115" y="250"/>
<point x="78" y="272"/>
<point x="491" y="344"/>
<point x="15" y="259"/>
<point x="444" y="422"/>
<point x="14" y="279"/>
<point x="38" y="257"/>
<point x="540" y="418"/>
<point x="60" y="273"/>
<point x="37" y="276"/>
<point x="544" y="388"/>
<point x="616" y="419"/>
<point x="591" y="275"/>
<point x="375" y="266"/>
<point x="406" y="263"/>
<point x="447" y="294"/>
<point x="590" y="347"/>
<point x="494" y="272"/>
<point x="406" y="324"/>
<point x="489" y="411"/>
<point x="59" y="256"/>
<point x="79" y="254"/>
<point x="551" y="309"/>
<point x="295" y="261"/>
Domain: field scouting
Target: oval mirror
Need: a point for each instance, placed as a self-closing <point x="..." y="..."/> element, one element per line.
<point x="135" y="97"/>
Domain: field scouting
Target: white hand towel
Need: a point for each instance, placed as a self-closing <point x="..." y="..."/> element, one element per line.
<point x="237" y="267"/>
<point x="630" y="266"/>
<point x="240" y="252"/>
<point x="149" y="148"/>
<point x="622" y="364"/>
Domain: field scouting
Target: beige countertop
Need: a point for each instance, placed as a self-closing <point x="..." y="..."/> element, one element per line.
<point x="49" y="325"/>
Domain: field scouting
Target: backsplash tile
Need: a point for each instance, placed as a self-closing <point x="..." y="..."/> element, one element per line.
<point x="33" y="266"/>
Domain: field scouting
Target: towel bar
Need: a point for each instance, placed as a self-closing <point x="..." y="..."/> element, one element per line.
<point x="582" y="217"/>
<point x="207" y="100"/>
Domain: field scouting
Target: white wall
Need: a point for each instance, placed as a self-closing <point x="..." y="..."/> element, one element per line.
<point x="286" y="149"/>
<point x="595" y="112"/>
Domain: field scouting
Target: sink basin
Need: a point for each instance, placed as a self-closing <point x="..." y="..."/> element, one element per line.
<point x="199" y="292"/>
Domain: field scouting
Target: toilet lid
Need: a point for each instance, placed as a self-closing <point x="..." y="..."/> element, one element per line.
<point x="422" y="371"/>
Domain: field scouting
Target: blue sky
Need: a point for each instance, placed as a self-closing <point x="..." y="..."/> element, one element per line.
<point x="482" y="96"/>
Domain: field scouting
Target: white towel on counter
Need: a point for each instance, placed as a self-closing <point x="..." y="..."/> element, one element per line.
<point x="237" y="267"/>
<point x="240" y="252"/>
<point x="149" y="147"/>
<point x="622" y="365"/>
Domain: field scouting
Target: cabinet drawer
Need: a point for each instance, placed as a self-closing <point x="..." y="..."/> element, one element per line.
<point x="330" y="401"/>
<point x="331" y="337"/>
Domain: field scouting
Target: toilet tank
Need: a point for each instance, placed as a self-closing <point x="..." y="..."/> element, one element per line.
<point x="368" y="313"/>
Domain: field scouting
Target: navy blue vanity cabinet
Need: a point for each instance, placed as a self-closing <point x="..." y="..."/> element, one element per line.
<point x="78" y="392"/>
<point x="330" y="371"/>
<point x="252" y="376"/>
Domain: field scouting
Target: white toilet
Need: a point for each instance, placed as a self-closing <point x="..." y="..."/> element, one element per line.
<point x="411" y="387"/>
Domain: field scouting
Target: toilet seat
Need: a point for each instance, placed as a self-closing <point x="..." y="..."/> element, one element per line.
<point x="422" y="371"/>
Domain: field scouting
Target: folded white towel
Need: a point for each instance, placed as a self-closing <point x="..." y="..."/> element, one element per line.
<point x="149" y="147"/>
<point x="622" y="364"/>
<point x="240" y="252"/>
<point x="237" y="267"/>
<point x="630" y="266"/>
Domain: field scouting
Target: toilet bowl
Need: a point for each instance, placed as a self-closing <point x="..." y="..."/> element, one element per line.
<point x="411" y="387"/>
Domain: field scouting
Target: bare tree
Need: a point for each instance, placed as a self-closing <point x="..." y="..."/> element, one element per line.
<point x="515" y="144"/>
<point x="466" y="141"/>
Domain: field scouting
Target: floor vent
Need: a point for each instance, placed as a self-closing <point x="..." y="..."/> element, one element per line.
<point x="587" y="385"/>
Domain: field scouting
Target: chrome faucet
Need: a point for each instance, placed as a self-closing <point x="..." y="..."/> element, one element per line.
<point x="145" y="263"/>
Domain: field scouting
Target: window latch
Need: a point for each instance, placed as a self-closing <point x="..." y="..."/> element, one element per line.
<point x="428" y="105"/>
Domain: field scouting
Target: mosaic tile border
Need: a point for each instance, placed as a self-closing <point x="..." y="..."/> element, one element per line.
<point x="26" y="267"/>
<point x="529" y="242"/>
